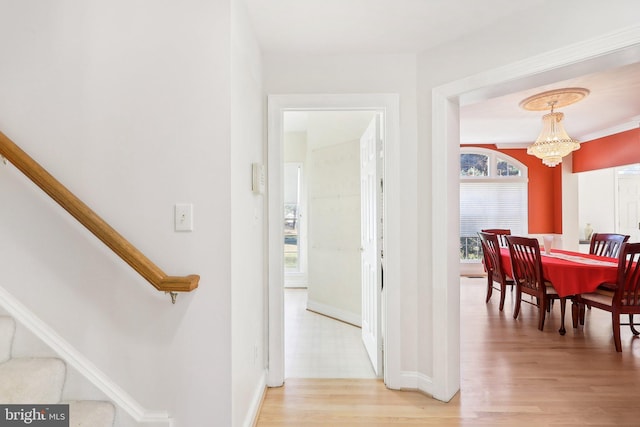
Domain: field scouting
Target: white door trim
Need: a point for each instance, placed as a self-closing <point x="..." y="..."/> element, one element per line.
<point x="390" y="105"/>
<point x="607" y="51"/>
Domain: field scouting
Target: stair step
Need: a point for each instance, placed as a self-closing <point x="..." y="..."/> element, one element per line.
<point x="7" y="330"/>
<point x="40" y="380"/>
<point x="91" y="413"/>
<point x="32" y="380"/>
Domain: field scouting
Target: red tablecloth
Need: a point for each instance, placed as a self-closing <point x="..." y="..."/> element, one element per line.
<point x="570" y="277"/>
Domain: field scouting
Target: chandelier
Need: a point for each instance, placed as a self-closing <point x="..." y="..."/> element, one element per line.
<point x="553" y="143"/>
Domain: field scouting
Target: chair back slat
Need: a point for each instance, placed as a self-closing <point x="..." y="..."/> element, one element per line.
<point x="607" y="244"/>
<point x="526" y="263"/>
<point x="628" y="286"/>
<point x="492" y="258"/>
<point x="501" y="233"/>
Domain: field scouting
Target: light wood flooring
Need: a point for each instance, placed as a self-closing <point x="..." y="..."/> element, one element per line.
<point x="511" y="375"/>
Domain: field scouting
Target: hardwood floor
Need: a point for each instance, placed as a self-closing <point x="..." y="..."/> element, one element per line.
<point x="511" y="375"/>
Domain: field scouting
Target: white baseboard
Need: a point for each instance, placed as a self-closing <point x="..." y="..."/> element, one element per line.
<point x="256" y="402"/>
<point x="416" y="381"/>
<point x="335" y="313"/>
<point x="74" y="358"/>
<point x="472" y="269"/>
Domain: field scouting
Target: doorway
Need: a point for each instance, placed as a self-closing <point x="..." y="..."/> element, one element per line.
<point x="387" y="105"/>
<point x="323" y="223"/>
<point x="578" y="59"/>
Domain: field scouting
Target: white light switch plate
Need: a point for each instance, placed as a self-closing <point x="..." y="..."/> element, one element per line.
<point x="184" y="217"/>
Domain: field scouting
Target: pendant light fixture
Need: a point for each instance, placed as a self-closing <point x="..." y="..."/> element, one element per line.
<point x="553" y="143"/>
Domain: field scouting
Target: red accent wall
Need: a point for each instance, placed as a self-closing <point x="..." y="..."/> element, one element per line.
<point x="545" y="191"/>
<point x="614" y="150"/>
<point x="545" y="183"/>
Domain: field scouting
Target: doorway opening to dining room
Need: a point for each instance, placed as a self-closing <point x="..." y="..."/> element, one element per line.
<point x="579" y="59"/>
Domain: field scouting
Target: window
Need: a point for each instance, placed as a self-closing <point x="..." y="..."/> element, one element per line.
<point x="292" y="188"/>
<point x="493" y="194"/>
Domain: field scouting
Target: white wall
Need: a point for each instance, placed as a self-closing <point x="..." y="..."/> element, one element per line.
<point x="248" y="225"/>
<point x="570" y="238"/>
<point x="128" y="104"/>
<point x="334" y="286"/>
<point x="597" y="194"/>
<point x="295" y="147"/>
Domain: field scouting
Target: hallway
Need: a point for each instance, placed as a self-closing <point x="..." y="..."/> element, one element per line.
<point x="317" y="346"/>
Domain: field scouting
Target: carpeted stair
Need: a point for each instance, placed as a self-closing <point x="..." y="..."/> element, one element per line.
<point x="40" y="380"/>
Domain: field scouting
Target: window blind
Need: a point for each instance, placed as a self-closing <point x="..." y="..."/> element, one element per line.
<point x="491" y="204"/>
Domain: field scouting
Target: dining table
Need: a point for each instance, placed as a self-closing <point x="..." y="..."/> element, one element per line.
<point x="571" y="273"/>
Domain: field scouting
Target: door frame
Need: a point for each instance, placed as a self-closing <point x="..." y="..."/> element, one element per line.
<point x="605" y="51"/>
<point x="389" y="104"/>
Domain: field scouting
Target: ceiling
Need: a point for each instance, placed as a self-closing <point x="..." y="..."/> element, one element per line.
<point x="413" y="26"/>
<point x="372" y="26"/>
<point x="612" y="106"/>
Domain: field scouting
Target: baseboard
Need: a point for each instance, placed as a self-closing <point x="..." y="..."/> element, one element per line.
<point x="416" y="381"/>
<point x="472" y="269"/>
<point x="74" y="358"/>
<point x="334" y="313"/>
<point x="256" y="402"/>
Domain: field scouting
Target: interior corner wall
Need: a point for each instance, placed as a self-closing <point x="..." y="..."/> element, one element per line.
<point x="248" y="224"/>
<point x="558" y="197"/>
<point x="569" y="234"/>
<point x="128" y="105"/>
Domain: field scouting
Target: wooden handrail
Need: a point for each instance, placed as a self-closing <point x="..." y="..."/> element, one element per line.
<point x="103" y="231"/>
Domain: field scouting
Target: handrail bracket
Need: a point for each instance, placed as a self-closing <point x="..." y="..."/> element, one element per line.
<point x="173" y="295"/>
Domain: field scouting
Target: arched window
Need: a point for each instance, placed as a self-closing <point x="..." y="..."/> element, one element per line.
<point x="493" y="194"/>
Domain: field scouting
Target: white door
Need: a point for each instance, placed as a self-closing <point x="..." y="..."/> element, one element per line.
<point x="371" y="210"/>
<point x="629" y="206"/>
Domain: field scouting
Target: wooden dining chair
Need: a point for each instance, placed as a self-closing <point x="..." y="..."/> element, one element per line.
<point x="622" y="297"/>
<point x="501" y="233"/>
<point x="607" y="244"/>
<point x="493" y="265"/>
<point x="526" y="266"/>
